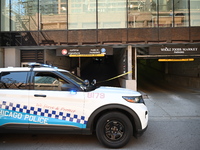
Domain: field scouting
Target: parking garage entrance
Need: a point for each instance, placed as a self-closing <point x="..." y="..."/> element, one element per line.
<point x="172" y="64"/>
<point x="92" y="63"/>
<point x="108" y="65"/>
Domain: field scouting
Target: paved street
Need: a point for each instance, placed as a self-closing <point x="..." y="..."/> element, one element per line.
<point x="174" y="121"/>
<point x="174" y="124"/>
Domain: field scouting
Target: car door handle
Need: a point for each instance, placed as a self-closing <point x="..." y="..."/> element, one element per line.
<point x="39" y="95"/>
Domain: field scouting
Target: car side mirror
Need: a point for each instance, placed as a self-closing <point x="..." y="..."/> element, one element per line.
<point x="94" y="81"/>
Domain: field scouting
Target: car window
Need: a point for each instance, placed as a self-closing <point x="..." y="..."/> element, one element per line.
<point x="48" y="81"/>
<point x="74" y="78"/>
<point x="13" y="80"/>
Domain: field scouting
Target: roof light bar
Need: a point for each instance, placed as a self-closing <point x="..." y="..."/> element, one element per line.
<point x="32" y="65"/>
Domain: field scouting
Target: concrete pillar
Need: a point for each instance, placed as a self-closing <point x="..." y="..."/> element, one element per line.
<point x="131" y="83"/>
<point x="12" y="57"/>
<point x="129" y="60"/>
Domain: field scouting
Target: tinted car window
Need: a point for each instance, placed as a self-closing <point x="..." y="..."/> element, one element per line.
<point x="13" y="80"/>
<point x="48" y="81"/>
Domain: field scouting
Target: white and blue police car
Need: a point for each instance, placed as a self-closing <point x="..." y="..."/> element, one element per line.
<point x="41" y="98"/>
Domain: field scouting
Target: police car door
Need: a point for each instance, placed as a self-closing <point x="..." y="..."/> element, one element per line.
<point x="52" y="108"/>
<point x="13" y="99"/>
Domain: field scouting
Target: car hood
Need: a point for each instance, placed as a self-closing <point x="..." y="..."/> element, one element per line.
<point x="116" y="90"/>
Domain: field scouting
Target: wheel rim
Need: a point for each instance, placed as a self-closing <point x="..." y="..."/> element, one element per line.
<point x="114" y="130"/>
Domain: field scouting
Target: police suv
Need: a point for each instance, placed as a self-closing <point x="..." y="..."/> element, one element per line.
<point x="44" y="98"/>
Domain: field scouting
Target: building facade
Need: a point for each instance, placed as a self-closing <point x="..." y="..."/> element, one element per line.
<point x="36" y="30"/>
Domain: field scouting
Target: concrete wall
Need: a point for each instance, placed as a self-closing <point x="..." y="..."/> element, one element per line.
<point x="58" y="61"/>
<point x="1" y="58"/>
<point x="187" y="69"/>
<point x="190" y="82"/>
<point x="119" y="56"/>
<point x="186" y="74"/>
<point x="12" y="57"/>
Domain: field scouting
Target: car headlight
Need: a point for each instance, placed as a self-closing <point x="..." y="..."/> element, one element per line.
<point x="133" y="99"/>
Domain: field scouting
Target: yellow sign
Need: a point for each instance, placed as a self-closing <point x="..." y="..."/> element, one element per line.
<point x="186" y="59"/>
<point x="87" y="55"/>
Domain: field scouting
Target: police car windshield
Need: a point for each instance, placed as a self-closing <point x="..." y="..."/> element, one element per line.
<point x="74" y="78"/>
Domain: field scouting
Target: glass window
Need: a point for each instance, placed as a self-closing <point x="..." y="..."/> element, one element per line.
<point x="74" y="78"/>
<point x="173" y="13"/>
<point x="24" y="15"/>
<point x="165" y="13"/>
<point x="5" y="9"/>
<point x="181" y="13"/>
<point x="13" y="80"/>
<point x="141" y="13"/>
<point x="82" y="14"/>
<point x="53" y="14"/>
<point x="195" y="12"/>
<point x="48" y="81"/>
<point x="112" y="14"/>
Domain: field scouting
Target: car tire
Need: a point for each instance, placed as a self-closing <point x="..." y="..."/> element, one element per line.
<point x="114" y="130"/>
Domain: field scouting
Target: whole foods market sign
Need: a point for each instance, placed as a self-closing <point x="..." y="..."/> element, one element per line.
<point x="176" y="50"/>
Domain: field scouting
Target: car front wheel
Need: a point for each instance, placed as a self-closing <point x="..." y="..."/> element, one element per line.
<point x="114" y="130"/>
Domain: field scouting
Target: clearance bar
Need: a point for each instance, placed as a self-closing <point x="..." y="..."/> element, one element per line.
<point x="87" y="55"/>
<point x="187" y="59"/>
